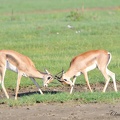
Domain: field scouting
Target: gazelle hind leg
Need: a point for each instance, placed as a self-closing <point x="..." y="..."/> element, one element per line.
<point x="106" y="77"/>
<point x="112" y="75"/>
<point x="2" y="72"/>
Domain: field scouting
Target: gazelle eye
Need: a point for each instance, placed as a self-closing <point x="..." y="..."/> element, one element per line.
<point x="49" y="78"/>
<point x="65" y="79"/>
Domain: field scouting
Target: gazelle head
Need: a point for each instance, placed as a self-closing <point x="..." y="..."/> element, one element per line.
<point x="66" y="80"/>
<point x="61" y="77"/>
<point x="47" y="78"/>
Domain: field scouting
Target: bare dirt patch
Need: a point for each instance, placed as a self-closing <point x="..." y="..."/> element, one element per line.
<point x="64" y="111"/>
<point x="61" y="111"/>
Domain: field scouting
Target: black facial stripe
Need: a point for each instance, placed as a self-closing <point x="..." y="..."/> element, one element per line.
<point x="65" y="79"/>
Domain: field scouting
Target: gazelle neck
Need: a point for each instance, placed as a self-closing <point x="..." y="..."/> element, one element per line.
<point x="36" y="74"/>
<point x="70" y="73"/>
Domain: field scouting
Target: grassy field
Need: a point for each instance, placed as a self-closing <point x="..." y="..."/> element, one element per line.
<point x="39" y="30"/>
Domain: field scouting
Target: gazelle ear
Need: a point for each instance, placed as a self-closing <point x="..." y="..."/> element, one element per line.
<point x="47" y="71"/>
<point x="62" y="71"/>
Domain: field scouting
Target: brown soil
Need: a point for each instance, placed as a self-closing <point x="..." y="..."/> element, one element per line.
<point x="61" y="111"/>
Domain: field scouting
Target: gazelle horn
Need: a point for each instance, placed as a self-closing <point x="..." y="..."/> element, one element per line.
<point x="47" y="71"/>
<point x="59" y="75"/>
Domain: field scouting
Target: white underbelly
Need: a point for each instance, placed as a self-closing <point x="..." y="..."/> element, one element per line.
<point x="12" y="67"/>
<point x="78" y="74"/>
<point x="93" y="66"/>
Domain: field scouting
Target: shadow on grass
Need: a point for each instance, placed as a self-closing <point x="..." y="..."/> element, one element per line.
<point x="37" y="92"/>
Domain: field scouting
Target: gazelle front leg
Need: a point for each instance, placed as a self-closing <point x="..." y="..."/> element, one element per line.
<point x="18" y="84"/>
<point x="86" y="78"/>
<point x="74" y="79"/>
<point x="36" y="85"/>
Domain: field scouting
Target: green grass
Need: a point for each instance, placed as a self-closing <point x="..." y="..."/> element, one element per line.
<point x="30" y="5"/>
<point x="86" y="97"/>
<point x="39" y="30"/>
